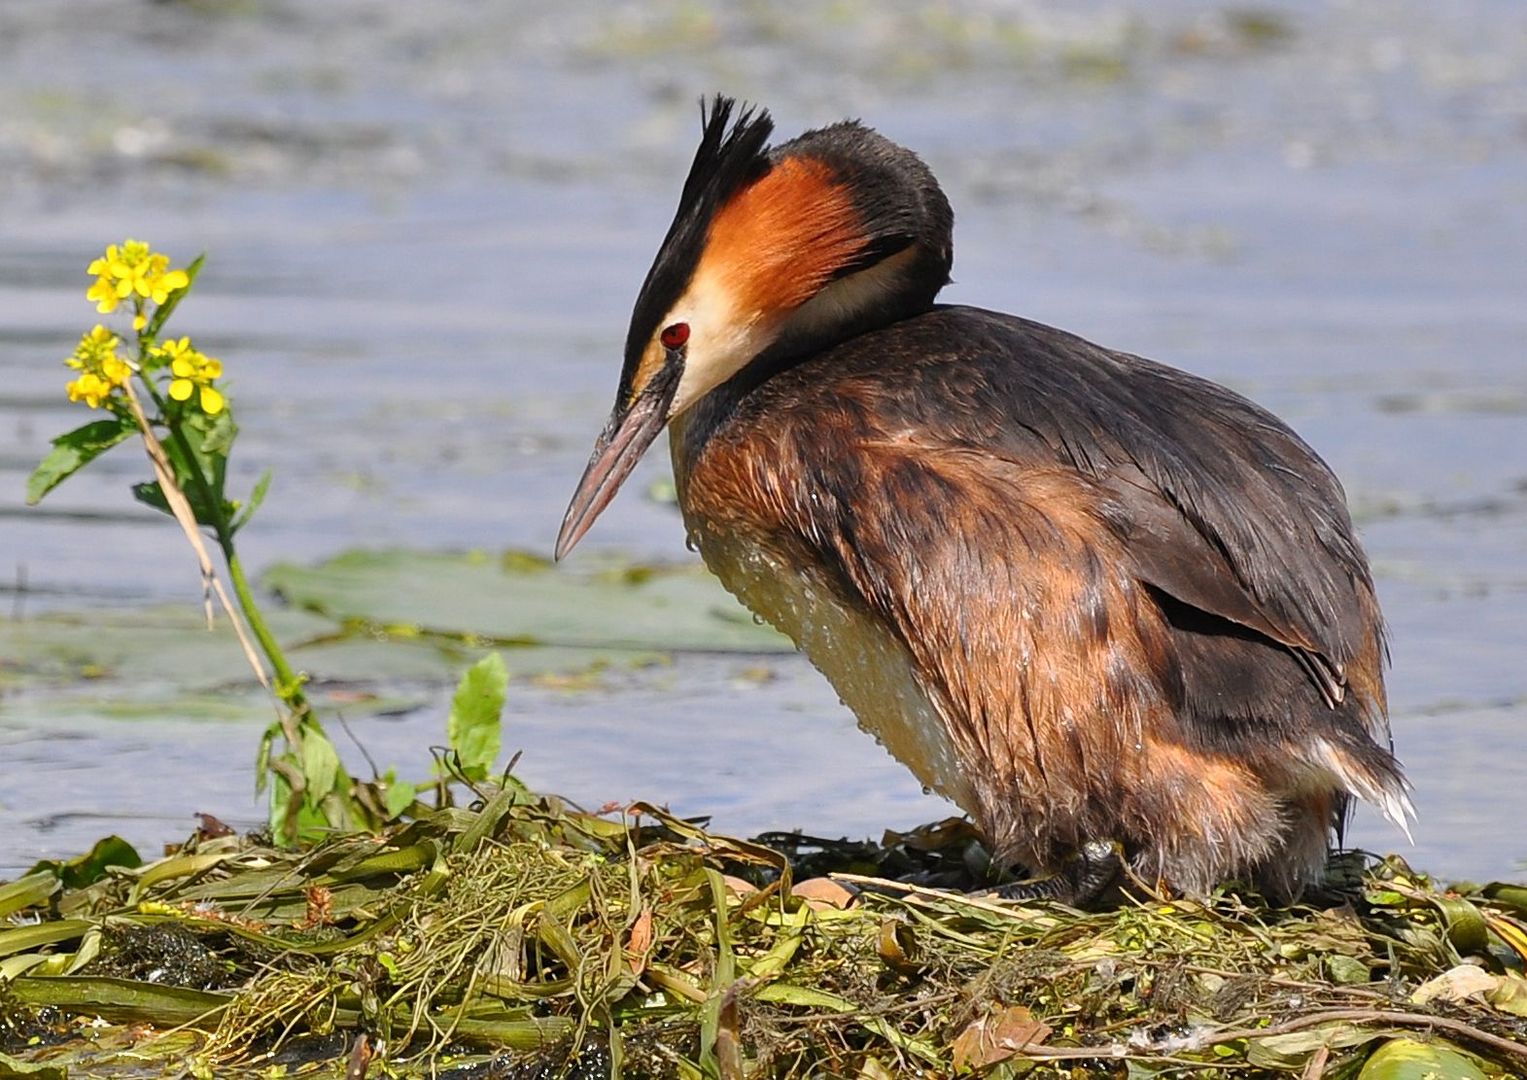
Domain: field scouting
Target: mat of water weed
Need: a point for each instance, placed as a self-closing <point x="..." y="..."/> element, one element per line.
<point x="525" y="937"/>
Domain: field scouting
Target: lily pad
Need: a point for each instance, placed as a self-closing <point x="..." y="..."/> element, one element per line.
<point x="520" y="599"/>
<point x="164" y="661"/>
<point x="151" y="645"/>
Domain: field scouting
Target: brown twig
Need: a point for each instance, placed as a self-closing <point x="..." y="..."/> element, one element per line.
<point x="921" y="892"/>
<point x="181" y="509"/>
<point x="360" y="1058"/>
<point x="1316" y="1068"/>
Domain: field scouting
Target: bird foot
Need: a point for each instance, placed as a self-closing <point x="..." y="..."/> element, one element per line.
<point x="1084" y="877"/>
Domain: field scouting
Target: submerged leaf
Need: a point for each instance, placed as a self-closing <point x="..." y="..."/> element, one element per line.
<point x="522" y="602"/>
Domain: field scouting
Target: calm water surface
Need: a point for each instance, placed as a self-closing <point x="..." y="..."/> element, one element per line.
<point x="426" y="223"/>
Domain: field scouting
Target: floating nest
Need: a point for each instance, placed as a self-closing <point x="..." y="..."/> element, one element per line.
<point x="526" y="938"/>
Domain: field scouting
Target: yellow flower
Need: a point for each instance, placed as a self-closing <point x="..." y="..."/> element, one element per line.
<point x="91" y="389"/>
<point x="101" y="370"/>
<point x="173" y="350"/>
<point x="161" y="281"/>
<point x="193" y="373"/>
<point x="133" y="268"/>
<point x="104" y="294"/>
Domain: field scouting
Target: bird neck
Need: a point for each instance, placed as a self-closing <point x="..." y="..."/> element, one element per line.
<point x="806" y="339"/>
<point x="900" y="285"/>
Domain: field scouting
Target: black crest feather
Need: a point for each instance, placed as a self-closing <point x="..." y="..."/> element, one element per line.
<point x="731" y="156"/>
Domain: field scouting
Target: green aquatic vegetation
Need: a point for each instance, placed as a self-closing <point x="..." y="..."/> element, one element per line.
<point x="516" y="600"/>
<point x="145" y="385"/>
<point x="526" y="937"/>
<point x="80" y="664"/>
<point x="170" y="396"/>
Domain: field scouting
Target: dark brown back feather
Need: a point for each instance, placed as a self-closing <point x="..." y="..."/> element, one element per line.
<point x="1217" y="503"/>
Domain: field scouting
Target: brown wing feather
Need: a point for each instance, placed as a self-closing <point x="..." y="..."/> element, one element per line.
<point x="1220" y="504"/>
<point x="1135" y="596"/>
<point x="1176" y="559"/>
<point x="1052" y="664"/>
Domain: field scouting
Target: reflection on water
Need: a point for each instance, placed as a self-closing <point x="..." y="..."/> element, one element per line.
<point x="425" y="224"/>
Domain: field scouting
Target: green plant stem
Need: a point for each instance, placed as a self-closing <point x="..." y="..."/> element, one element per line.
<point x="288" y="685"/>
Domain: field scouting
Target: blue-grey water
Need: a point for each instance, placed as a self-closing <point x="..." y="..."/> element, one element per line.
<point x="425" y="224"/>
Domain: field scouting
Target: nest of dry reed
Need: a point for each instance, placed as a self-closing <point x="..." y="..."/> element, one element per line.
<point x="527" y="938"/>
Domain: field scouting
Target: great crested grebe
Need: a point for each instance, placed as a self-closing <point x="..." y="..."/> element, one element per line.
<point x="1109" y="609"/>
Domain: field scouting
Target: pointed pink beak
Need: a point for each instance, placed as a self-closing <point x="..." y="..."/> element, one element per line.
<point x="617" y="450"/>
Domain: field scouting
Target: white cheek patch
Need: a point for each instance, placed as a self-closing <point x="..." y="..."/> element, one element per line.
<point x="724" y="339"/>
<point x="721" y="340"/>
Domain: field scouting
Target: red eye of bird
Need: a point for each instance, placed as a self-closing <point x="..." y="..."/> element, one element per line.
<point x="674" y="337"/>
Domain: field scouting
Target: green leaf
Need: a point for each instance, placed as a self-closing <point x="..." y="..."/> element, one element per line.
<point x="123" y="1000"/>
<point x="256" y="497"/>
<point x="198" y="451"/>
<point x="282" y="827"/>
<point x="198" y="472"/>
<point x="214" y="434"/>
<point x="807" y="997"/>
<point x="398" y="794"/>
<point x="151" y="494"/>
<point x="29" y="891"/>
<point x="13" y="1067"/>
<point x="262" y="756"/>
<point x="1293" y="1049"/>
<point x="1507" y="895"/>
<point x="320" y="766"/>
<point x="1510" y="994"/>
<point x="1409" y="1059"/>
<point x="1346" y="970"/>
<point x="92" y="866"/>
<point x="25" y="939"/>
<point x="476" y="715"/>
<point x="73" y="451"/>
<point x="171" y="302"/>
<point x="1466" y="927"/>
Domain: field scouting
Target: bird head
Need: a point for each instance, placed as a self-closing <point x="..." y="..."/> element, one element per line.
<point x="782" y="251"/>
